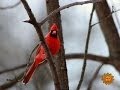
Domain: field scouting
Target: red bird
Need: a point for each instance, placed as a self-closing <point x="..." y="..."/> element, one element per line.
<point x="53" y="42"/>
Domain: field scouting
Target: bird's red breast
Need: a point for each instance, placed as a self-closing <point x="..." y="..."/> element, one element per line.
<point x="52" y="40"/>
<point x="53" y="44"/>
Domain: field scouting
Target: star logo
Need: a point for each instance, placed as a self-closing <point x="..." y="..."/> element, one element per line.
<point x="107" y="78"/>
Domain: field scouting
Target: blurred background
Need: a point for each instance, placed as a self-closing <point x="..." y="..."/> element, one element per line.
<point x="17" y="40"/>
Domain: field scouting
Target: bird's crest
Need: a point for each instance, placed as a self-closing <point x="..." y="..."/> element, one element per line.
<point x="54" y="27"/>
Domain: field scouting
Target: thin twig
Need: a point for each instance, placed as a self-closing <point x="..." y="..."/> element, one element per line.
<point x="10" y="7"/>
<point x="94" y="77"/>
<point x="11" y="83"/>
<point x="105" y="18"/>
<point x="14" y="81"/>
<point x="117" y="17"/>
<point x="86" y="50"/>
<point x="64" y="7"/>
<point x="41" y="37"/>
<point x="12" y="69"/>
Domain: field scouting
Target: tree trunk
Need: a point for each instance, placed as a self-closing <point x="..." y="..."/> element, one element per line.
<point x="110" y="32"/>
<point x="60" y="62"/>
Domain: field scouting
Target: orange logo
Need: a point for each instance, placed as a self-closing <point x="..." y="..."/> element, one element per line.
<point x="107" y="78"/>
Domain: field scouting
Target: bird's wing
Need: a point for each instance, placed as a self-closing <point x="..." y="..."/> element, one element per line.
<point x="38" y="49"/>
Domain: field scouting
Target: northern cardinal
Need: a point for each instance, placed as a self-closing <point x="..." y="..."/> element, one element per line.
<point x="53" y="42"/>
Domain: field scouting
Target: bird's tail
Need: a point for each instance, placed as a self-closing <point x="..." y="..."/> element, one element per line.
<point x="29" y="73"/>
<point x="39" y="59"/>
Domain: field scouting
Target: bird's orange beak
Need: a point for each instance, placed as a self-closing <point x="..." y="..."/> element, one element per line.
<point x="54" y="32"/>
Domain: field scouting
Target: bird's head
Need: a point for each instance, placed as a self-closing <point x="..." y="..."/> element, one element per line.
<point x="54" y="30"/>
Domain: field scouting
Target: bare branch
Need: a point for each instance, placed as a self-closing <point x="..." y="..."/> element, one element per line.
<point x="94" y="77"/>
<point x="117" y="17"/>
<point x="60" y="61"/>
<point x="11" y="83"/>
<point x="66" y="6"/>
<point x="92" y="57"/>
<point x="14" y="81"/>
<point x="12" y="69"/>
<point x="21" y="66"/>
<point x="109" y="29"/>
<point x="41" y="37"/>
<point x="86" y="50"/>
<point x="105" y="18"/>
<point x="110" y="32"/>
<point x="10" y="7"/>
<point x="70" y="56"/>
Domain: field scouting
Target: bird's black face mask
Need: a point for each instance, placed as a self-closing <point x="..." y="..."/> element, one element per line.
<point x="54" y="33"/>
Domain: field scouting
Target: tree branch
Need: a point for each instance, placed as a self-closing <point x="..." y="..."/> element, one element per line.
<point x="16" y="79"/>
<point x="60" y="61"/>
<point x="92" y="57"/>
<point x="70" y="56"/>
<point x="105" y="18"/>
<point x="41" y="37"/>
<point x="66" y="6"/>
<point x="11" y="83"/>
<point x="14" y="68"/>
<point x="86" y="49"/>
<point x="110" y="32"/>
<point x="94" y="77"/>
